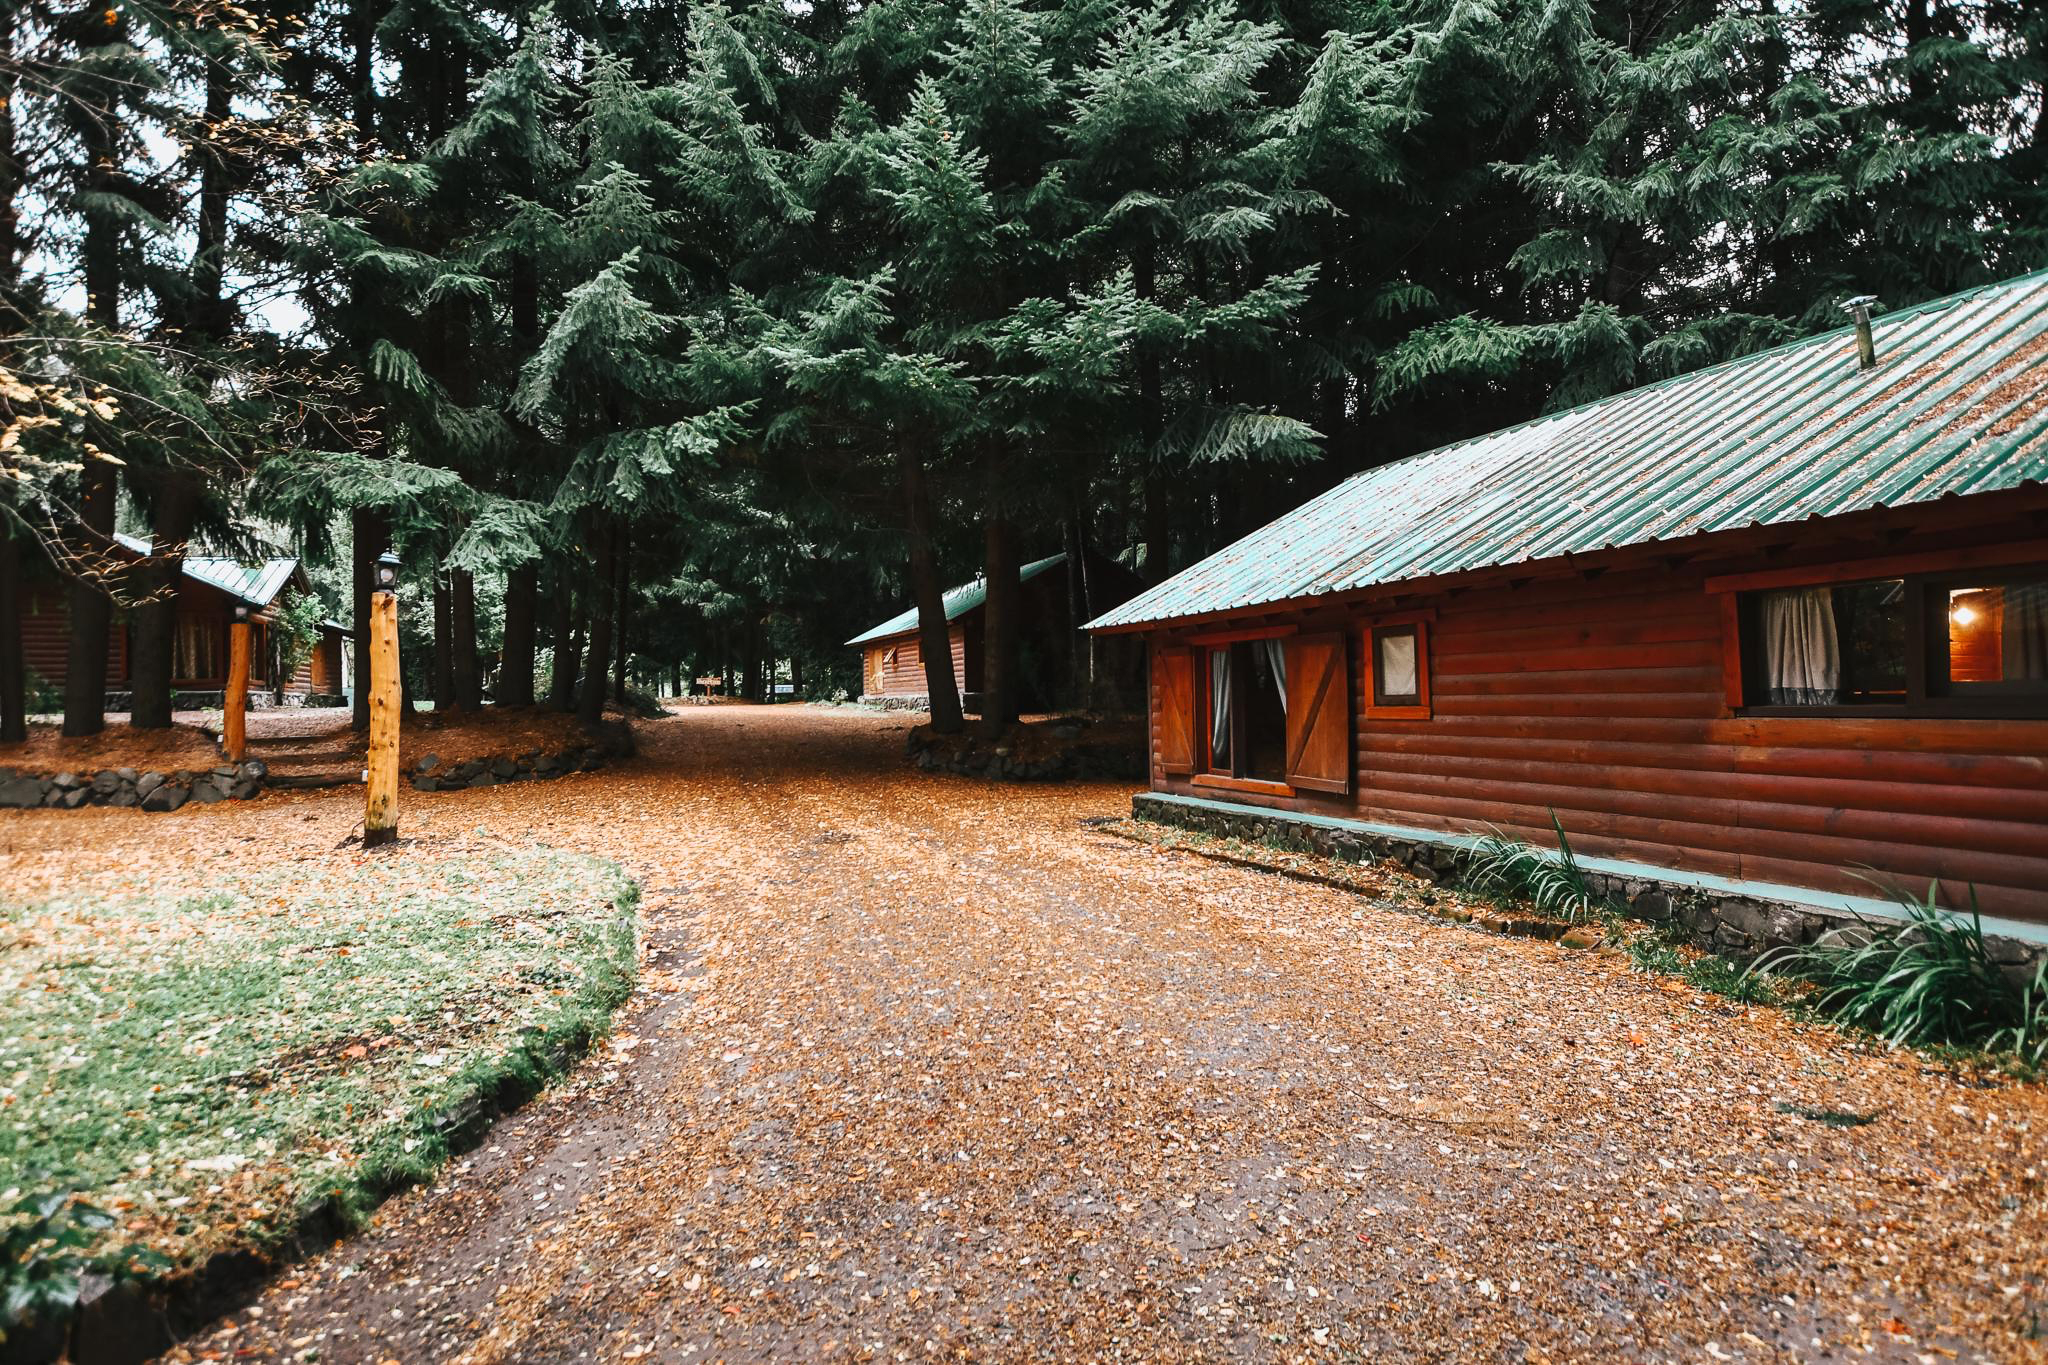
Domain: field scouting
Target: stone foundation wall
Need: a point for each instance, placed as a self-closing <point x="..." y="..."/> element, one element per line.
<point x="1739" y="926"/>
<point x="431" y="774"/>
<point x="1076" y="758"/>
<point x="150" y="791"/>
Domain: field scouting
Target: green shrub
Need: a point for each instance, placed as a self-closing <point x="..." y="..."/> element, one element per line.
<point x="47" y="1244"/>
<point x="1927" y="981"/>
<point x="1554" y="883"/>
<point x="1719" y="976"/>
<point x="41" y="697"/>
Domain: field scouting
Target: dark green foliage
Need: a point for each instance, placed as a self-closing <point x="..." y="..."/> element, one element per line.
<point x="1925" y="981"/>
<point x="682" y="293"/>
<point x="48" y="1242"/>
<point x="1554" y="883"/>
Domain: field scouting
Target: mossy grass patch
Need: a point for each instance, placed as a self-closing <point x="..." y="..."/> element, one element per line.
<point x="211" y="1069"/>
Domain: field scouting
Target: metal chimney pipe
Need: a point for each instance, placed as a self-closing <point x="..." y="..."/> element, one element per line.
<point x="1866" y="346"/>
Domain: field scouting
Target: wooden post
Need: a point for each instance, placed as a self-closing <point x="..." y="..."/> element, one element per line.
<point x="380" y="809"/>
<point x="234" y="728"/>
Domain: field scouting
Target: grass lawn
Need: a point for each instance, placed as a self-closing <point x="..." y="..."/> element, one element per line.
<point x="205" y="1069"/>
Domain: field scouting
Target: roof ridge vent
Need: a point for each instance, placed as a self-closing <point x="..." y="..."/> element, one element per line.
<point x="1866" y="345"/>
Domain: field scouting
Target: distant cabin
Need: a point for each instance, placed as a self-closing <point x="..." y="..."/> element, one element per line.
<point x="209" y="589"/>
<point x="892" y="660"/>
<point x="1781" y="623"/>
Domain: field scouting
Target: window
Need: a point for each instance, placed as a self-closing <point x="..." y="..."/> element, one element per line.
<point x="1246" y="706"/>
<point x="1397" y="672"/>
<point x="1832" y="646"/>
<point x="196" y="653"/>
<point x="1397" y="658"/>
<point x="1997" y="637"/>
<point x="1932" y="644"/>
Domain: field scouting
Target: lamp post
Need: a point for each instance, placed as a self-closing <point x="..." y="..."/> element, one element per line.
<point x="380" y="779"/>
<point x="234" y="702"/>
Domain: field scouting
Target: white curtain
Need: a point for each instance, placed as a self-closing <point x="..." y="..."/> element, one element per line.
<point x="1276" y="663"/>
<point x="1802" y="653"/>
<point x="2025" y="650"/>
<point x="1219" y="707"/>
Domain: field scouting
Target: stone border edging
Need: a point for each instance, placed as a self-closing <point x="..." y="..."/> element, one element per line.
<point x="1733" y="924"/>
<point x="431" y="774"/>
<point x="132" y="787"/>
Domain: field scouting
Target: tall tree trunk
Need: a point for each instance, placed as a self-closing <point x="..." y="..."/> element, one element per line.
<point x="92" y="611"/>
<point x="1077" y="614"/>
<point x="13" y="671"/>
<point x="443" y="681"/>
<point x="1151" y="425"/>
<point x="154" y="624"/>
<point x="464" y="675"/>
<point x="622" y="587"/>
<point x="929" y="594"/>
<point x="369" y="538"/>
<point x="567" y="645"/>
<point x="155" y="621"/>
<point x="13" y="677"/>
<point x="207" y="317"/>
<point x="11" y="175"/>
<point x="999" y="635"/>
<point x="515" y="667"/>
<point x="750" y="644"/>
<point x="590" y="704"/>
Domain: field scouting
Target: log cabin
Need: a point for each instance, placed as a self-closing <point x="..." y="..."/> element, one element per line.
<point x="209" y="589"/>
<point x="1778" y="626"/>
<point x="892" y="658"/>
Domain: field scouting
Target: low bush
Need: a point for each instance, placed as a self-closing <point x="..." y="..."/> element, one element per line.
<point x="1502" y="866"/>
<point x="1925" y="981"/>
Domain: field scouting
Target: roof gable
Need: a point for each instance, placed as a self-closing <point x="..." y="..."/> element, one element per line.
<point x="959" y="601"/>
<point x="257" y="584"/>
<point x="1957" y="404"/>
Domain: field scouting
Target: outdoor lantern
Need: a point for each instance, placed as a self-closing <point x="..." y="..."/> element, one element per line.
<point x="387" y="571"/>
<point x="241" y="613"/>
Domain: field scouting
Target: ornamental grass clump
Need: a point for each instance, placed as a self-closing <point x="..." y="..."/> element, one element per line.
<point x="1553" y="883"/>
<point x="1927" y="981"/>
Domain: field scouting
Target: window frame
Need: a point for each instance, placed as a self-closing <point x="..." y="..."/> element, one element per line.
<point x="1402" y="706"/>
<point x="1930" y="693"/>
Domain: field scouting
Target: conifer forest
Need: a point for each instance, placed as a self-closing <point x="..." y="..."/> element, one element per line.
<point x="667" y="339"/>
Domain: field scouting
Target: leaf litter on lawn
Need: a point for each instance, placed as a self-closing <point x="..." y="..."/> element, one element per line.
<point x="204" y="1065"/>
<point x="944" y="1072"/>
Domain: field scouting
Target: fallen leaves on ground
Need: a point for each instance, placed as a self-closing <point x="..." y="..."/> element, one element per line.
<point x="930" y="1068"/>
<point x="48" y="750"/>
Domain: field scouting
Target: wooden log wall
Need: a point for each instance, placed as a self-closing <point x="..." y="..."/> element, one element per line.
<point x="903" y="676"/>
<point x="1603" y="699"/>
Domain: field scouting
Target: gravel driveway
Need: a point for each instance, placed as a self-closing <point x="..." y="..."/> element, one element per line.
<point x="925" y="1068"/>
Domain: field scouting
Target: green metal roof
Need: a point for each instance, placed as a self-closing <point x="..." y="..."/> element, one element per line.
<point x="1957" y="404"/>
<point x="959" y="601"/>
<point x="255" y="583"/>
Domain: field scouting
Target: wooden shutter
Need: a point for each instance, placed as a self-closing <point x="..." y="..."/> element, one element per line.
<point x="1318" y="714"/>
<point x="1173" y="733"/>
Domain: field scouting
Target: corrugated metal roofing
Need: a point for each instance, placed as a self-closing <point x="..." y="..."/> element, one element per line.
<point x="1958" y="404"/>
<point x="255" y="584"/>
<point x="959" y="601"/>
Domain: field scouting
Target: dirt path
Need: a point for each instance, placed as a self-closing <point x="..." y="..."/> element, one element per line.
<point x="926" y="1068"/>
